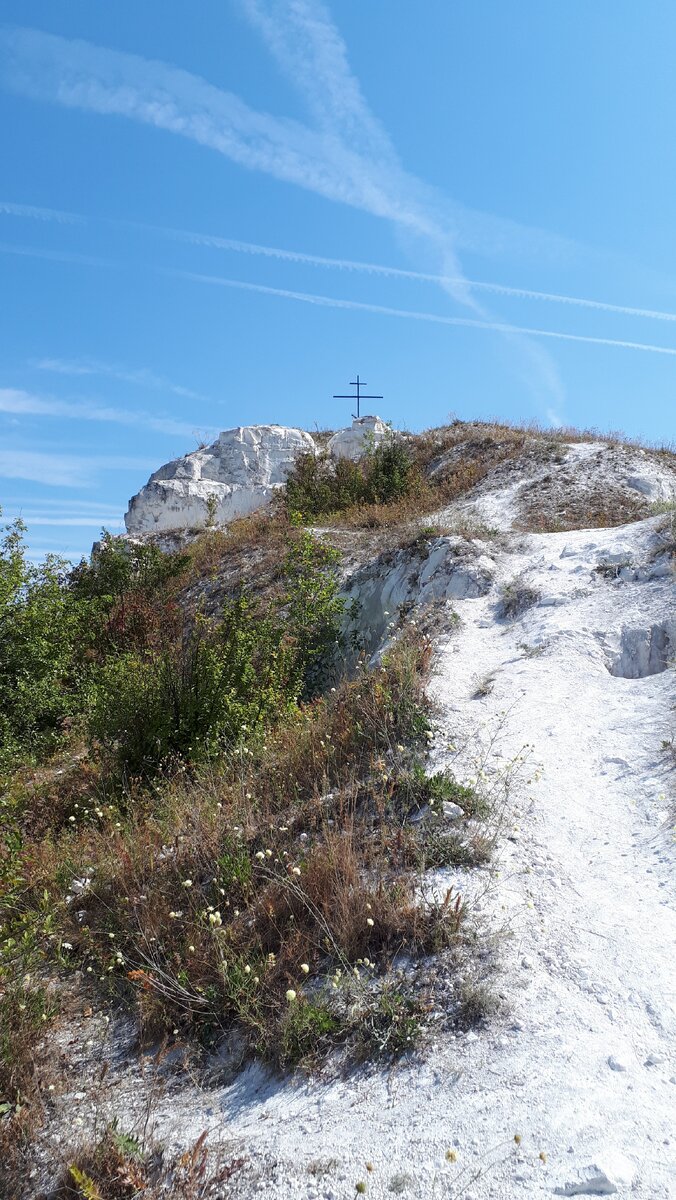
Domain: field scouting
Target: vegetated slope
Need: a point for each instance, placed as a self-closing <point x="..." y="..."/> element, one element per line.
<point x="580" y="897"/>
<point x="562" y="654"/>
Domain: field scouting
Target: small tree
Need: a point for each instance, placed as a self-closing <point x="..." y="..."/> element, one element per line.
<point x="40" y="674"/>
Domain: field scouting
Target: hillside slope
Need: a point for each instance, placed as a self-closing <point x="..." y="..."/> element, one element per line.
<point x="560" y="658"/>
<point x="581" y="894"/>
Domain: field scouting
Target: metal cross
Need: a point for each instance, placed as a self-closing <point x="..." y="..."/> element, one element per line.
<point x="358" y="383"/>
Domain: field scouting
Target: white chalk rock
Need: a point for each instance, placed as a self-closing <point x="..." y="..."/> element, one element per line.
<point x="451" y="811"/>
<point x="351" y="443"/>
<point x="618" y="1063"/>
<point x="238" y="473"/>
<point x="604" y="1177"/>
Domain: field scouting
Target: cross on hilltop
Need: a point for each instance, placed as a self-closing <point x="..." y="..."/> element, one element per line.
<point x="358" y="383"/>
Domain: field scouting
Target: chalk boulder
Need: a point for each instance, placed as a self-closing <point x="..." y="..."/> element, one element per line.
<point x="353" y="442"/>
<point x="238" y="473"/>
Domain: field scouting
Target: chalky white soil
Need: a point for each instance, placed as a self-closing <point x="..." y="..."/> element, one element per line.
<point x="581" y="1065"/>
<point x="579" y="898"/>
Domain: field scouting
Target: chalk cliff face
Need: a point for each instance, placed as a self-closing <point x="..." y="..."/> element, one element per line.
<point x="238" y="473"/>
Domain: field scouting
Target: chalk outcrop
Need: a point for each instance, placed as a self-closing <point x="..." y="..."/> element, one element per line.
<point x="238" y="473"/>
<point x="364" y="433"/>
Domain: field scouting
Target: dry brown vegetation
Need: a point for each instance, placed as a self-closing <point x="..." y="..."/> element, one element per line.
<point x="210" y="897"/>
<point x="263" y="898"/>
<point x="118" y="1166"/>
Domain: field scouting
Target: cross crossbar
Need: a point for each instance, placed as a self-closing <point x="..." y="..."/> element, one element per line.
<point x="358" y="383"/>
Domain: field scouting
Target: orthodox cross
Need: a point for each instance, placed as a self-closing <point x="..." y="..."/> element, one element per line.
<point x="358" y="383"/>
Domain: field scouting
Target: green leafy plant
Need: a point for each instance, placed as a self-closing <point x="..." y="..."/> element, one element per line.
<point x="319" y="485"/>
<point x="40" y="674"/>
<point x="195" y="698"/>
<point x="219" y="679"/>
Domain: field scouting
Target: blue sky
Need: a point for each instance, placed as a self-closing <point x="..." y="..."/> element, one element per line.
<point x="215" y="215"/>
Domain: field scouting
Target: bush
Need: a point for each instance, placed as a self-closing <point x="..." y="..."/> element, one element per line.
<point x="119" y="568"/>
<point x="40" y="676"/>
<point x="195" y="699"/>
<point x="279" y="868"/>
<point x="220" y="679"/>
<point x="56" y="624"/>
<point x="319" y="485"/>
<point x="127" y="592"/>
<point x="516" y="596"/>
<point x="314" y="609"/>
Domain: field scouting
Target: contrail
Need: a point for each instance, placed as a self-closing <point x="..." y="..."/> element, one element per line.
<point x="40" y="214"/>
<point x="383" y="310"/>
<point x="346" y="264"/>
<point x="332" y="302"/>
<point x="315" y="260"/>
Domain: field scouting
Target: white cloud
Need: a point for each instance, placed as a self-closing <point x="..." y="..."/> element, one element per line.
<point x="139" y="376"/>
<point x="65" y="256"/>
<point x="64" y="470"/>
<point x="370" y="268"/>
<point x="234" y="245"/>
<point x="83" y="522"/>
<point x="347" y="157"/>
<point x="80" y="505"/>
<point x="24" y="403"/>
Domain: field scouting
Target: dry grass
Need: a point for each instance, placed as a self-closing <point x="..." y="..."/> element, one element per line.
<point x="600" y="510"/>
<point x="497" y="431"/>
<point x="516" y="596"/>
<point x="119" y="1167"/>
<point x="290" y="868"/>
<point x="262" y="901"/>
<point x="449" y="461"/>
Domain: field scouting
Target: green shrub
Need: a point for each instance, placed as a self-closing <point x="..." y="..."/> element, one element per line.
<point x="40" y="676"/>
<point x="314" y="609"/>
<point x="197" y="697"/>
<point x="416" y="790"/>
<point x="126" y="592"/>
<point x="306" y="1030"/>
<point x="388" y="472"/>
<point x="119" y="567"/>
<point x="56" y="624"/>
<point x="319" y="485"/>
<point x="221" y="680"/>
<point x="391" y="1023"/>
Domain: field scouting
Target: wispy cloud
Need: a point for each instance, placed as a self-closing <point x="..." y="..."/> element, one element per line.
<point x="63" y="505"/>
<point x="413" y="315"/>
<point x="64" y="470"/>
<point x="40" y="214"/>
<point x="80" y="75"/>
<point x="70" y="522"/>
<point x="346" y="156"/>
<point x="140" y="376"/>
<point x="23" y="403"/>
<point x="63" y="256"/>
